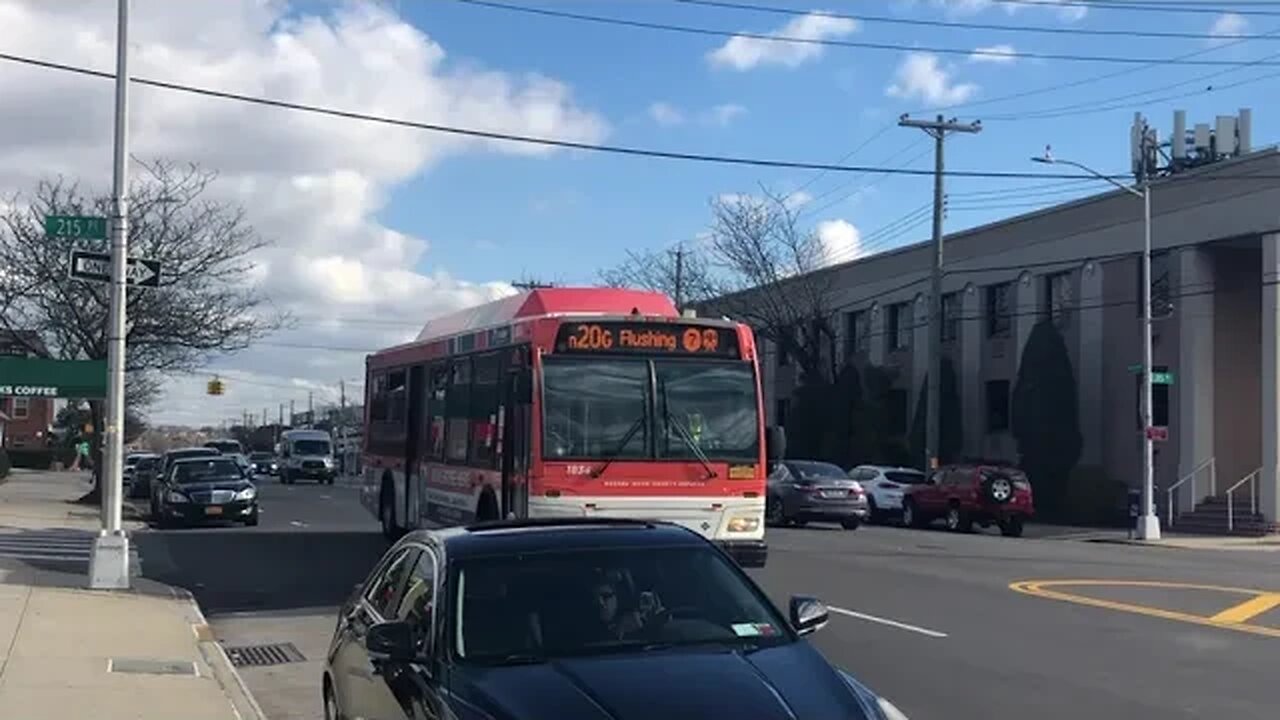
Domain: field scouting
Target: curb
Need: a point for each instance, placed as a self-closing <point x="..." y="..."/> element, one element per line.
<point x="243" y="704"/>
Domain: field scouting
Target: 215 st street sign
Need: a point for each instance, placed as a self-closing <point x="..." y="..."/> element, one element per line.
<point x="97" y="266"/>
<point x="84" y="227"/>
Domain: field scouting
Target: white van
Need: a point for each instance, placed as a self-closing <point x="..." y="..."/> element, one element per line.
<point x="306" y="455"/>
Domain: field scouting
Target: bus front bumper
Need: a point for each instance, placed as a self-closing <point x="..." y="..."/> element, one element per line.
<point x="747" y="553"/>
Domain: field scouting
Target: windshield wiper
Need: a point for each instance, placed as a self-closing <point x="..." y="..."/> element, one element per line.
<point x="692" y="443"/>
<point x="622" y="445"/>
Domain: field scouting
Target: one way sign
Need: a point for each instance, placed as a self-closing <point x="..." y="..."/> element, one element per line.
<point x="97" y="266"/>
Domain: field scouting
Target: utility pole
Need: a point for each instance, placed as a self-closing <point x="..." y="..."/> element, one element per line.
<point x="342" y="422"/>
<point x="679" y="253"/>
<point x="937" y="129"/>
<point x="109" y="564"/>
<point x="1149" y="524"/>
<point x="291" y="414"/>
<point x="311" y="409"/>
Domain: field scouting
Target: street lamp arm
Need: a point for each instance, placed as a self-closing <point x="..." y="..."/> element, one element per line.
<point x="1091" y="171"/>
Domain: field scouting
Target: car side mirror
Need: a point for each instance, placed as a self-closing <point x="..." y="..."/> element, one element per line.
<point x="390" y="642"/>
<point x="808" y="614"/>
<point x="775" y="444"/>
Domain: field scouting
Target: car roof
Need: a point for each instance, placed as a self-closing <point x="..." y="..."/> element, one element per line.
<point x="201" y="458"/>
<point x="549" y="534"/>
<point x="892" y="468"/>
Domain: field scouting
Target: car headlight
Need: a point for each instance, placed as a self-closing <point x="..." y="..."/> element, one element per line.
<point x="744" y="524"/>
<point x="247" y="494"/>
<point x="328" y="462"/>
<point x="176" y="497"/>
<point x="891" y="712"/>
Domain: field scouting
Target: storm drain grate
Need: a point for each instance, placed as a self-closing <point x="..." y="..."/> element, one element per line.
<point x="263" y="655"/>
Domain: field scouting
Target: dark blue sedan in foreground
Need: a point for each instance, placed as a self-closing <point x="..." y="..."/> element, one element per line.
<point x="584" y="620"/>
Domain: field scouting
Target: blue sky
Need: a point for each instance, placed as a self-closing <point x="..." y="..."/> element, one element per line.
<point x="562" y="217"/>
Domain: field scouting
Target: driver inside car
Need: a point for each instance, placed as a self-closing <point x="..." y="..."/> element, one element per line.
<point x="618" y="617"/>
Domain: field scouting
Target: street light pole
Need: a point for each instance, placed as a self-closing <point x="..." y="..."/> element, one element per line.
<point x="109" y="564"/>
<point x="1148" y="522"/>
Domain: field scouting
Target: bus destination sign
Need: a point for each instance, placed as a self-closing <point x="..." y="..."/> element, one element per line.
<point x="646" y="338"/>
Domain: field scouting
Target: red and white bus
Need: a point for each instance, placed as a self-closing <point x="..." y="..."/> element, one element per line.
<point x="571" y="402"/>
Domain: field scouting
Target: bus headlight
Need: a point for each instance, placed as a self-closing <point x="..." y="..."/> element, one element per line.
<point x="744" y="524"/>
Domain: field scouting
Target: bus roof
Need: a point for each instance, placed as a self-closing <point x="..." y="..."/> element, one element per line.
<point x="542" y="302"/>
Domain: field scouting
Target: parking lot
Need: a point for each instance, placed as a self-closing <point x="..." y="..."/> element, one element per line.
<point x="946" y="625"/>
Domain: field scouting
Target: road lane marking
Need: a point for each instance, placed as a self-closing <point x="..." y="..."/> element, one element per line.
<point x="297" y="523"/>
<point x="886" y="621"/>
<point x="1040" y="588"/>
<point x="1249" y="609"/>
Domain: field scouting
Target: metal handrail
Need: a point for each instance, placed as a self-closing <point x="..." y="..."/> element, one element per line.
<point x="1252" y="479"/>
<point x="1213" y="486"/>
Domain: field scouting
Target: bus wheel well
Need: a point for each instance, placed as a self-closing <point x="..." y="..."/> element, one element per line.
<point x="487" y="509"/>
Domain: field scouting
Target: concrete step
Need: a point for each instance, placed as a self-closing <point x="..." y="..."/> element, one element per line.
<point x="1245" y="525"/>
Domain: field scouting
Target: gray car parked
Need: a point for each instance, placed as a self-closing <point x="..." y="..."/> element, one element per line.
<point x="801" y="491"/>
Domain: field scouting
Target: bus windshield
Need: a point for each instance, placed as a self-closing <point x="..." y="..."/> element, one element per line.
<point x="601" y="408"/>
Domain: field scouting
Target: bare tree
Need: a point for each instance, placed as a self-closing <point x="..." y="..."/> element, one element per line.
<point x="772" y="278"/>
<point x="687" y="278"/>
<point x="203" y="307"/>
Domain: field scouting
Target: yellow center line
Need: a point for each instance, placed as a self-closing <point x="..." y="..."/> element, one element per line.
<point x="1248" y="609"/>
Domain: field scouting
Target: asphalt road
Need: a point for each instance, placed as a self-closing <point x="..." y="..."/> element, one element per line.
<point x="927" y="618"/>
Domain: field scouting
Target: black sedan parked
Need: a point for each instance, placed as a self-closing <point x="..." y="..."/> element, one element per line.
<point x="582" y="619"/>
<point x="199" y="490"/>
<point x="801" y="491"/>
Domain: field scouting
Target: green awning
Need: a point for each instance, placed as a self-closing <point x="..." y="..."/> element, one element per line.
<point x="38" y="377"/>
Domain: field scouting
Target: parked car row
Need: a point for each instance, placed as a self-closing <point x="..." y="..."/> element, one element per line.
<point x="983" y="493"/>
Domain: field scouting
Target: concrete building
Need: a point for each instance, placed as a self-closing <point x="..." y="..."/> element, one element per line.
<point x="1216" y="290"/>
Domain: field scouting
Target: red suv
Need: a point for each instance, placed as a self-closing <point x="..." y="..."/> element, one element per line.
<point x="984" y="493"/>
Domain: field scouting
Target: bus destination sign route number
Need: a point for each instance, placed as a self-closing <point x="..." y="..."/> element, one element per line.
<point x="625" y="337"/>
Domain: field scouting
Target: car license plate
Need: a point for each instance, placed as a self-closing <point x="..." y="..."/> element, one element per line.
<point x="213" y="510"/>
<point x="834" y="493"/>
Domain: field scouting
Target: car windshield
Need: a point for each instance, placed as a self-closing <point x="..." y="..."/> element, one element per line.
<point x="227" y="447"/>
<point x="904" y="477"/>
<point x="602" y="408"/>
<point x="310" y="447"/>
<point x="146" y="463"/>
<point x="812" y="470"/>
<point x="132" y="460"/>
<point x="199" y="471"/>
<point x="523" y="607"/>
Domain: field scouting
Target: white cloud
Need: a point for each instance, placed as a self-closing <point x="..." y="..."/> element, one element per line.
<point x="841" y="241"/>
<point x="1072" y="12"/>
<point x="665" y="114"/>
<point x="723" y="115"/>
<point x="997" y="54"/>
<point x="797" y="199"/>
<point x="1226" y="25"/>
<point x="921" y="77"/>
<point x="315" y="185"/>
<point x="746" y="53"/>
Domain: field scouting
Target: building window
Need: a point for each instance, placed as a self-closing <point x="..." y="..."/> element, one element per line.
<point x="858" y="332"/>
<point x="1058" y="297"/>
<point x="1161" y="300"/>
<point x="899" y="327"/>
<point x="951" y="317"/>
<point x="999" y="310"/>
<point x="997" y="405"/>
<point x="21" y="408"/>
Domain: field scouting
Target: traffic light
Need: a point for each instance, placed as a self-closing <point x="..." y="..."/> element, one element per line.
<point x="215" y="387"/>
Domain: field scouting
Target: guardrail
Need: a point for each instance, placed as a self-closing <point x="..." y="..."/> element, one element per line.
<point x="1252" y="479"/>
<point x="1212" y="466"/>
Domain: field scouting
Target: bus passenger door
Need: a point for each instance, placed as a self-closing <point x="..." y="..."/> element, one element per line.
<point x="415" y="397"/>
<point x="517" y="397"/>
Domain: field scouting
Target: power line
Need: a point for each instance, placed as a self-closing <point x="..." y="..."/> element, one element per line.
<point x="533" y="140"/>
<point x="958" y="25"/>
<point x="1158" y="6"/>
<point x="859" y="44"/>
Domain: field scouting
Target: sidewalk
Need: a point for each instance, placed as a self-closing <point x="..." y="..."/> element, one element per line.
<point x="68" y="652"/>
<point x="1199" y="542"/>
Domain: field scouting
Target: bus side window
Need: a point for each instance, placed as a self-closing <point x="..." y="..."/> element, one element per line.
<point x="458" y="411"/>
<point x="437" y="387"/>
<point x="484" y="410"/>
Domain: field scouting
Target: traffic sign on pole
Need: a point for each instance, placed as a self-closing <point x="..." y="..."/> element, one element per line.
<point x="84" y="227"/>
<point x="97" y="266"/>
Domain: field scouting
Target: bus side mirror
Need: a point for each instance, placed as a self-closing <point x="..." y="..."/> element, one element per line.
<point x="775" y="443"/>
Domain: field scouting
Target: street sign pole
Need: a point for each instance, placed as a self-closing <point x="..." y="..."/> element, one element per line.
<point x="109" y="566"/>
